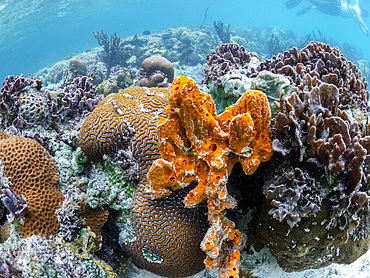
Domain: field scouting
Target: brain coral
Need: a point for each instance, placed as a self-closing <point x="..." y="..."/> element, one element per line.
<point x="196" y="144"/>
<point x="33" y="174"/>
<point x="168" y="235"/>
<point x="122" y="119"/>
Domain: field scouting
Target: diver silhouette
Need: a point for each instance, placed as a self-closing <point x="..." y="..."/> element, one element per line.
<point x="344" y="8"/>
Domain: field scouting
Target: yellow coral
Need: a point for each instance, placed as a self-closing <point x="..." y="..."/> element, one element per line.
<point x="196" y="144"/>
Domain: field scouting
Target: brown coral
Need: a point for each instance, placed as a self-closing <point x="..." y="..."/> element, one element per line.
<point x="126" y="119"/>
<point x="157" y="72"/>
<point x="168" y="235"/>
<point x="196" y="144"/>
<point x="95" y="219"/>
<point x="33" y="174"/>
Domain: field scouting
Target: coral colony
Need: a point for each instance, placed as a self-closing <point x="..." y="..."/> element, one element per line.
<point x="113" y="167"/>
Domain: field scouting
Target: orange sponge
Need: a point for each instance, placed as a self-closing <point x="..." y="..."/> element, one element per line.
<point x="196" y="144"/>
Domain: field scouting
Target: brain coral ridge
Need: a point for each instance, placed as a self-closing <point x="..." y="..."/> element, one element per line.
<point x="168" y="235"/>
<point x="33" y="174"/>
<point x="196" y="144"/>
<point x="125" y="120"/>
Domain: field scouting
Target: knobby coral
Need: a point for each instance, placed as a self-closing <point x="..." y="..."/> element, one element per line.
<point x="196" y="144"/>
<point x="157" y="71"/>
<point x="33" y="174"/>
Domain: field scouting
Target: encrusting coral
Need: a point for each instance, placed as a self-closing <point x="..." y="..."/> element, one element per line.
<point x="198" y="145"/>
<point x="33" y="174"/>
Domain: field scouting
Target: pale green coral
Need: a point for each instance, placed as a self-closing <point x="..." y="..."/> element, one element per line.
<point x="40" y="257"/>
<point x="235" y="83"/>
<point x="109" y="187"/>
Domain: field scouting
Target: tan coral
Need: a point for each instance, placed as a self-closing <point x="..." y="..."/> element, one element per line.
<point x="95" y="219"/>
<point x="134" y="112"/>
<point x="196" y="144"/>
<point x="33" y="174"/>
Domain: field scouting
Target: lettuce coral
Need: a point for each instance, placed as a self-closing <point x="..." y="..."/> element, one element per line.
<point x="196" y="144"/>
<point x="316" y="192"/>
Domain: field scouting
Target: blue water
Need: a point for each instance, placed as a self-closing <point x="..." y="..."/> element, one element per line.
<point x="36" y="34"/>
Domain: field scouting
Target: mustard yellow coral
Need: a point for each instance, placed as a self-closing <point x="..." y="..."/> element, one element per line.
<point x="196" y="144"/>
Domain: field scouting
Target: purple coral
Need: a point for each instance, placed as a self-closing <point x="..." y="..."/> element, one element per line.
<point x="79" y="98"/>
<point x="324" y="63"/>
<point x="16" y="205"/>
<point x="226" y="57"/>
<point x="12" y="89"/>
<point x="7" y="270"/>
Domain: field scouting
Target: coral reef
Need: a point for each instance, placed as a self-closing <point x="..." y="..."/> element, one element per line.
<point x="223" y="32"/>
<point x="168" y="235"/>
<point x="325" y="63"/>
<point x="7" y="270"/>
<point x="316" y="192"/>
<point x="16" y="205"/>
<point x="33" y="174"/>
<point x="228" y="76"/>
<point x="22" y="102"/>
<point x="196" y="144"/>
<point x="113" y="53"/>
<point x="157" y="72"/>
<point x="39" y="257"/>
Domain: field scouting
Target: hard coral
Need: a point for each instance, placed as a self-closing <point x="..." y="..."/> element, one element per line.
<point x="318" y="186"/>
<point x="79" y="97"/>
<point x="168" y="235"/>
<point x="326" y="64"/>
<point x="226" y="57"/>
<point x="125" y="120"/>
<point x="33" y="174"/>
<point x="196" y="144"/>
<point x="157" y="72"/>
<point x="21" y="101"/>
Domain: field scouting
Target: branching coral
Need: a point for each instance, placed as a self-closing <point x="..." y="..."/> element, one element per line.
<point x="196" y="144"/>
<point x="79" y="97"/>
